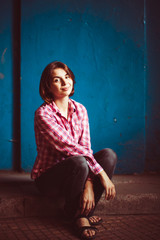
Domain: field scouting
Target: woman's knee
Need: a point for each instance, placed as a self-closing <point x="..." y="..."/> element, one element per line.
<point x="111" y="155"/>
<point x="80" y="163"/>
<point x="107" y="158"/>
<point x="109" y="161"/>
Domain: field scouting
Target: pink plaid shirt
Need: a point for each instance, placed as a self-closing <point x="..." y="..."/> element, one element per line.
<point x="58" y="138"/>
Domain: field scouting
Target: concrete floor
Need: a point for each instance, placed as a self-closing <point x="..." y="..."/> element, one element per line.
<point x="136" y="194"/>
<point x="26" y="214"/>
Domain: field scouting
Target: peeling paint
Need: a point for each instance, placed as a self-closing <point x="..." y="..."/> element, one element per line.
<point x="12" y="140"/>
<point x="1" y="76"/>
<point x="115" y="120"/>
<point x="2" y="57"/>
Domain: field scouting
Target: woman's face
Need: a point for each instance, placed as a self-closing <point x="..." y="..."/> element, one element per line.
<point x="62" y="84"/>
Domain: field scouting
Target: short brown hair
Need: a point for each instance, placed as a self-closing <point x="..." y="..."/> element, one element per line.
<point x="46" y="78"/>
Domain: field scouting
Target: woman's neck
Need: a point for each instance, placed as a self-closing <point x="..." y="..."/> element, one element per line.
<point x="62" y="105"/>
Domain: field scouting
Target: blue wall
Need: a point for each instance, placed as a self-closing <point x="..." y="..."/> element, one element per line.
<point x="104" y="43"/>
<point x="6" y="96"/>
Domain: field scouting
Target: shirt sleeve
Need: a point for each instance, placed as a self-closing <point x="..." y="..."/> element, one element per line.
<point x="85" y="141"/>
<point x="85" y="136"/>
<point x="60" y="139"/>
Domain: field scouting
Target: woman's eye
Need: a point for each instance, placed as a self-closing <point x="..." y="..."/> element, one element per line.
<point x="56" y="80"/>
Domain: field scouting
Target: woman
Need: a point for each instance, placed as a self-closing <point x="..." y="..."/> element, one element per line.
<point x="65" y="164"/>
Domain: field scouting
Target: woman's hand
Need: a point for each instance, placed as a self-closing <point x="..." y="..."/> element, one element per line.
<point x="109" y="187"/>
<point x="87" y="202"/>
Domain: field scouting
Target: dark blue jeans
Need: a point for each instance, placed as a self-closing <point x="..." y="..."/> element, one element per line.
<point x="68" y="178"/>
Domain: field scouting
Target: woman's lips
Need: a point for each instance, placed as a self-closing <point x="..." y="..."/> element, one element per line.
<point x="65" y="88"/>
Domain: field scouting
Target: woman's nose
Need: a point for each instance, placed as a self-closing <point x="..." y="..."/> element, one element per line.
<point x="64" y="82"/>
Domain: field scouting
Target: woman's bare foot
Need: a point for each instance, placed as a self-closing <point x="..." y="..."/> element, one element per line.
<point x="84" y="228"/>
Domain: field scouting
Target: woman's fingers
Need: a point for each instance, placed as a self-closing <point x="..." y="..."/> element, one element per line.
<point x="83" y="207"/>
<point x="108" y="185"/>
<point x="93" y="204"/>
<point x="114" y="192"/>
<point x="106" y="193"/>
<point x="110" y="192"/>
<point x="87" y="207"/>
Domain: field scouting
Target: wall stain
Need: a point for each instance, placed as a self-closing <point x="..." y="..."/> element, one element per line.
<point x="1" y="76"/>
<point x="2" y="58"/>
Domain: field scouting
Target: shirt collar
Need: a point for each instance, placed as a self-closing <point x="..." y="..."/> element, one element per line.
<point x="71" y="107"/>
<point x="54" y="107"/>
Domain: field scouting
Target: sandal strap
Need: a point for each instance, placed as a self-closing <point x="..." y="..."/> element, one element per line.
<point x="95" y="223"/>
<point x="88" y="227"/>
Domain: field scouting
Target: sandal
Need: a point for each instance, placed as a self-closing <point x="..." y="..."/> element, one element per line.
<point x="95" y="223"/>
<point x="80" y="231"/>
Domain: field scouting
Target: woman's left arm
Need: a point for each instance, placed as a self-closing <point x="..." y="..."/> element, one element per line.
<point x="85" y="139"/>
<point x="85" y="136"/>
<point x="109" y="187"/>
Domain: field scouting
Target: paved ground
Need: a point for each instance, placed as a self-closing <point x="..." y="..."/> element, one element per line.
<point x="136" y="194"/>
<point x="126" y="227"/>
<point x="138" y="199"/>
